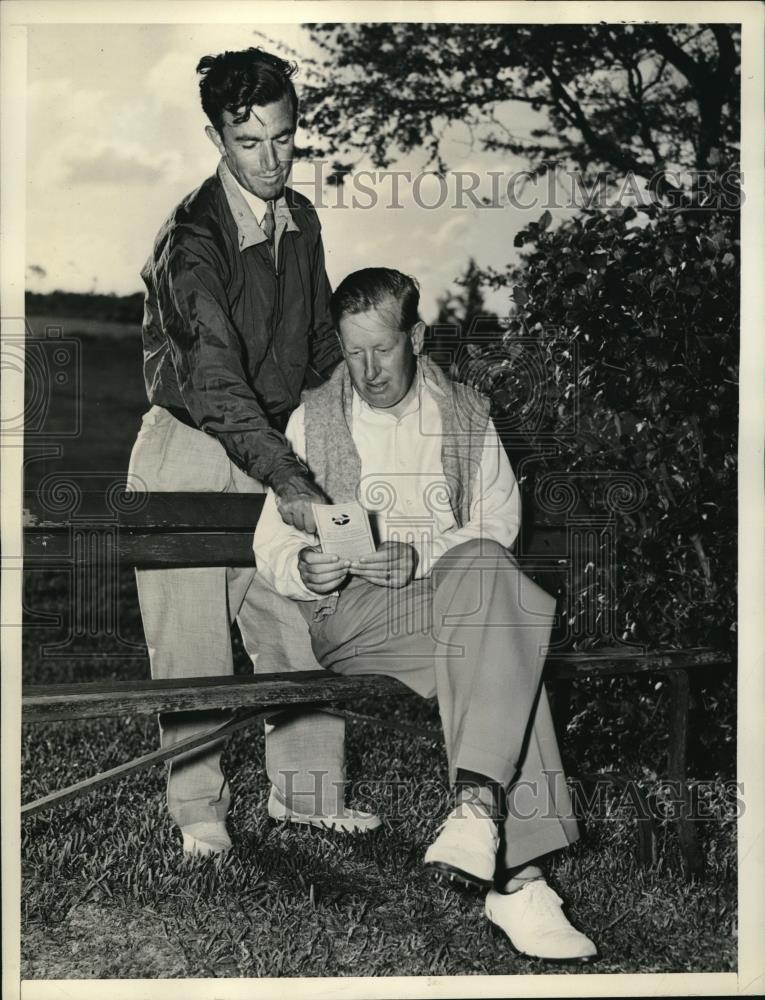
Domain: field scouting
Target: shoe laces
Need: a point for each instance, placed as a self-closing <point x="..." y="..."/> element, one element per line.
<point x="542" y="901"/>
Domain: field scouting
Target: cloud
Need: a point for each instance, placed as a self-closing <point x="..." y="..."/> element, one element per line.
<point x="57" y="102"/>
<point x="115" y="139"/>
<point x="87" y="136"/>
<point x="121" y="165"/>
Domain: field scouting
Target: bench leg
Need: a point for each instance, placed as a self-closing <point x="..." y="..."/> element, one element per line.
<point x="647" y="850"/>
<point x="678" y="746"/>
<point x="561" y="695"/>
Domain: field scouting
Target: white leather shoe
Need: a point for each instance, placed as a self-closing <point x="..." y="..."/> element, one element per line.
<point x="347" y="821"/>
<point x="533" y="921"/>
<point x="466" y="848"/>
<point x="205" y="838"/>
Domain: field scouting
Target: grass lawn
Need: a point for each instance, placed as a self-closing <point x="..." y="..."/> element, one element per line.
<point x="107" y="891"/>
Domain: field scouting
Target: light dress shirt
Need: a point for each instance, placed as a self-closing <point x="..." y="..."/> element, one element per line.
<point x="257" y="206"/>
<point x="403" y="488"/>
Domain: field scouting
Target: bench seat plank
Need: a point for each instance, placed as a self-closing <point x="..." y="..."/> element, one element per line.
<point x="57" y="702"/>
<point x="50" y="703"/>
<point x="610" y="663"/>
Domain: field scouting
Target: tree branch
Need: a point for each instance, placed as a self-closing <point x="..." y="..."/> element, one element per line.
<point x="636" y="87"/>
<point x="657" y="78"/>
<point x="666" y="46"/>
<point x="599" y="144"/>
<point x="728" y="60"/>
<point x="710" y="87"/>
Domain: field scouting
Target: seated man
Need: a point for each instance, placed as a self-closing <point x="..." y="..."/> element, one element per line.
<point x="441" y="605"/>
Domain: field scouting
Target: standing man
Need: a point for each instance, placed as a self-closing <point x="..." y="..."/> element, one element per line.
<point x="236" y="324"/>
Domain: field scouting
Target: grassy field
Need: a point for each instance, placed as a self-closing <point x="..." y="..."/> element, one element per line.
<point x="109" y="401"/>
<point x="107" y="891"/>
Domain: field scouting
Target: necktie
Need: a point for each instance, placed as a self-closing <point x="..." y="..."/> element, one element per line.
<point x="268" y="226"/>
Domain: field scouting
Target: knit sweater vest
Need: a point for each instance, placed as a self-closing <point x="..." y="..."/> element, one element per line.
<point x="332" y="457"/>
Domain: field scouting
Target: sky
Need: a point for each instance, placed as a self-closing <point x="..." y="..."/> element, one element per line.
<point x="115" y="138"/>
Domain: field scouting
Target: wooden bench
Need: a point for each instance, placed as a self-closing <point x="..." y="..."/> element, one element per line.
<point x="96" y="533"/>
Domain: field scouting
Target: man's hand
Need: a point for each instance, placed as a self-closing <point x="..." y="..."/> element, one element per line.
<point x="319" y="572"/>
<point x="293" y="501"/>
<point x="393" y="565"/>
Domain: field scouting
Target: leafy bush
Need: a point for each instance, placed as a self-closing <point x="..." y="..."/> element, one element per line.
<point x="648" y="306"/>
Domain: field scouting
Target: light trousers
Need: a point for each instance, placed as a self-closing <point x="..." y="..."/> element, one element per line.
<point x="187" y="616"/>
<point x="474" y="634"/>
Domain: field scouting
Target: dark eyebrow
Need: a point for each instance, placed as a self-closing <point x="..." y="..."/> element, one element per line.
<point x="258" y="138"/>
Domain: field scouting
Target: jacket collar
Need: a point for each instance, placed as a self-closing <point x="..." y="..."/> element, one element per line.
<point x="249" y="231"/>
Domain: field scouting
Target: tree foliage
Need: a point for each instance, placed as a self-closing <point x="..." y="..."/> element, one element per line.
<point x="462" y="320"/>
<point x="648" y="315"/>
<point x="641" y="97"/>
<point x="647" y="304"/>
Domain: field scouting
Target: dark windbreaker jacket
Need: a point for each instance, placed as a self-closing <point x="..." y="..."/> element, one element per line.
<point x="231" y="336"/>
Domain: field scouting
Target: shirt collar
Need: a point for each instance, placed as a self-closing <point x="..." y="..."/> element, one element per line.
<point x="257" y="205"/>
<point x="246" y="210"/>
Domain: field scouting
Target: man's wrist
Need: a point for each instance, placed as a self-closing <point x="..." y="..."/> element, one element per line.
<point x="292" y="480"/>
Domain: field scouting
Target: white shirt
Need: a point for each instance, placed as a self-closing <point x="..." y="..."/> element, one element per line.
<point x="258" y="208"/>
<point x="404" y="489"/>
<point x="257" y="205"/>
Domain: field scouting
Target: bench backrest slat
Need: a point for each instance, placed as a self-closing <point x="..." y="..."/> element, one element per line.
<point x="148" y="551"/>
<point x="165" y="530"/>
<point x="48" y="510"/>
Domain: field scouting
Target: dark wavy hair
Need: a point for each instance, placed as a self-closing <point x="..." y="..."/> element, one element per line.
<point x="235" y="81"/>
<point x="368" y="289"/>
